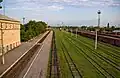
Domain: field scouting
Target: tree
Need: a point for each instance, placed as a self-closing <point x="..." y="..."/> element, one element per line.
<point x="91" y="28"/>
<point x="113" y="28"/>
<point x="23" y="33"/>
<point x="84" y="27"/>
<point x="32" y="29"/>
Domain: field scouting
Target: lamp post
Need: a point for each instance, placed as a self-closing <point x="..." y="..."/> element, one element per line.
<point x="99" y="12"/>
<point x="97" y="29"/>
<point x="1" y="28"/>
<point x="2" y="48"/>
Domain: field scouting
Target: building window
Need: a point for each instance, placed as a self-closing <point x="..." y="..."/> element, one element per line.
<point x="5" y="26"/>
<point x="11" y="26"/>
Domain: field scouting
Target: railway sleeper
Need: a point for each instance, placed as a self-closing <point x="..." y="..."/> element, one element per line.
<point x="72" y="65"/>
<point x="76" y="74"/>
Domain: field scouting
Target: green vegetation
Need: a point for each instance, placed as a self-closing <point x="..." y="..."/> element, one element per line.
<point x="107" y="28"/>
<point x="101" y="63"/>
<point x="32" y="29"/>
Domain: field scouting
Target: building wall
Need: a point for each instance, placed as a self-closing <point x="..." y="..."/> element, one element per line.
<point x="11" y="34"/>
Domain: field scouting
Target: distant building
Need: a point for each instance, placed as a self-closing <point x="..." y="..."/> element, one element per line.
<point x="10" y="36"/>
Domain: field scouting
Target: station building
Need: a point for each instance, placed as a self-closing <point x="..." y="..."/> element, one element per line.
<point x="9" y="33"/>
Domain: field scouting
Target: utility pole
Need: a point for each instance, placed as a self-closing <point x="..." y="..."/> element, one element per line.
<point x="97" y="29"/>
<point x="2" y="48"/>
<point x="71" y="32"/>
<point x="76" y="32"/>
<point x="96" y="38"/>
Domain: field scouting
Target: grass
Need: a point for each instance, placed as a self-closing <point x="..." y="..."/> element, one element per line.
<point x="101" y="63"/>
<point x="65" y="73"/>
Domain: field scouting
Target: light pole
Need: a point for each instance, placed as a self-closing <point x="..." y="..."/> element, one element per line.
<point x="99" y="12"/>
<point x="2" y="48"/>
<point x="1" y="28"/>
<point x="97" y="29"/>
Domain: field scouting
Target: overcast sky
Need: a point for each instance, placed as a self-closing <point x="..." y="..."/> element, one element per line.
<point x="70" y="12"/>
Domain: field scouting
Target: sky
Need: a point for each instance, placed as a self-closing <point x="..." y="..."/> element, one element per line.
<point x="64" y="12"/>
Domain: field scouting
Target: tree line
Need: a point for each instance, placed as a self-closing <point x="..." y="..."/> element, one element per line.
<point x="90" y="28"/>
<point x="32" y="29"/>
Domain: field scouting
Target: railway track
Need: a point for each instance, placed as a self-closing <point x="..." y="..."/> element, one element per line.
<point x="99" y="55"/>
<point x="111" y="62"/>
<point x="108" y="46"/>
<point x="96" y="54"/>
<point x="72" y="66"/>
<point x="16" y="68"/>
<point x="105" y="51"/>
<point x="54" y="71"/>
<point x="101" y="47"/>
<point x="91" y="60"/>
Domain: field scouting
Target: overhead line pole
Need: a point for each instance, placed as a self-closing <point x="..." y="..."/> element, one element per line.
<point x="76" y="32"/>
<point x="71" y="32"/>
<point x="1" y="28"/>
<point x="96" y="39"/>
<point x="2" y="47"/>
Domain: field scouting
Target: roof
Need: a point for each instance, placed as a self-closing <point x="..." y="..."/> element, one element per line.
<point x="3" y="17"/>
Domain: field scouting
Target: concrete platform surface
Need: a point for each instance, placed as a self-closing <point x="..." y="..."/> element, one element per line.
<point x="13" y="55"/>
<point x="38" y="68"/>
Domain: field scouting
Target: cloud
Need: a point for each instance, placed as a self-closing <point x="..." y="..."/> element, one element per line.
<point x="33" y="5"/>
<point x="56" y="8"/>
<point x="92" y="3"/>
<point x="56" y="5"/>
<point x="40" y="8"/>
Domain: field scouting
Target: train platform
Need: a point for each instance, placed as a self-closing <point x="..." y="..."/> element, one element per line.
<point x="12" y="56"/>
<point x="38" y="66"/>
